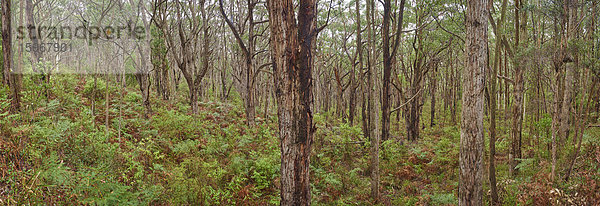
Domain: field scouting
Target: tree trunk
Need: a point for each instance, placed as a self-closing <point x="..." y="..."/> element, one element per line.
<point x="354" y="85"/>
<point x="6" y="42"/>
<point x="388" y="56"/>
<point x="7" y="52"/>
<point x="143" y="78"/>
<point x="581" y="125"/>
<point x="493" y="105"/>
<point x="519" y="84"/>
<point x="291" y="47"/>
<point x="371" y="111"/>
<point x="470" y="190"/>
<point x="433" y="90"/>
<point x="563" y="93"/>
<point x="248" y="53"/>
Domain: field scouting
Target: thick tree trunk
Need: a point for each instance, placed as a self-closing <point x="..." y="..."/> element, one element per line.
<point x="35" y="40"/>
<point x="291" y="47"/>
<point x="387" y="70"/>
<point x="470" y="190"/>
<point x="11" y="78"/>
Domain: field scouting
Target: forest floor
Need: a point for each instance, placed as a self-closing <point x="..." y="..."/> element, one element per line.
<point x="55" y="152"/>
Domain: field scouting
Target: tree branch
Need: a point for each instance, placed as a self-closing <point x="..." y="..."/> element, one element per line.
<point x="233" y="29"/>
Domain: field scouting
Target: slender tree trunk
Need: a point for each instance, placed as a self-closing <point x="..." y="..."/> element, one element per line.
<point x="17" y="81"/>
<point x="372" y="134"/>
<point x="6" y="42"/>
<point x="142" y="77"/>
<point x="519" y="84"/>
<point x="454" y="89"/>
<point x="556" y="119"/>
<point x="470" y="190"/>
<point x="581" y="124"/>
<point x="493" y="107"/>
<point x="248" y="52"/>
<point x="144" y="52"/>
<point x="388" y="56"/>
<point x="433" y="91"/>
<point x="355" y="84"/>
<point x="571" y="31"/>
<point x="563" y="91"/>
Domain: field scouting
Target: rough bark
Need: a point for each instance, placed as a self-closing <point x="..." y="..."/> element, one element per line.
<point x="291" y="49"/>
<point x="388" y="54"/>
<point x="470" y="190"/>
<point x="6" y="42"/>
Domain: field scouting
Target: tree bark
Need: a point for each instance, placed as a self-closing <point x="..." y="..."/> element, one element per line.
<point x="387" y="62"/>
<point x="470" y="190"/>
<point x="7" y="43"/>
<point x="493" y="104"/>
<point x="354" y="84"/>
<point x="519" y="84"/>
<point x="372" y="135"/>
<point x="291" y="48"/>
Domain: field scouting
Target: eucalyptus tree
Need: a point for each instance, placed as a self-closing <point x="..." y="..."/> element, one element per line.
<point x="6" y="41"/>
<point x="492" y="96"/>
<point x="389" y="52"/>
<point x="564" y="76"/>
<point x="181" y="27"/>
<point x="248" y="51"/>
<point x="160" y="63"/>
<point x="470" y="190"/>
<point x="10" y="79"/>
<point x="421" y="57"/>
<point x="291" y="52"/>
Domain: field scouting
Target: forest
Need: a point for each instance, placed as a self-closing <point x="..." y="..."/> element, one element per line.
<point x="300" y="102"/>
